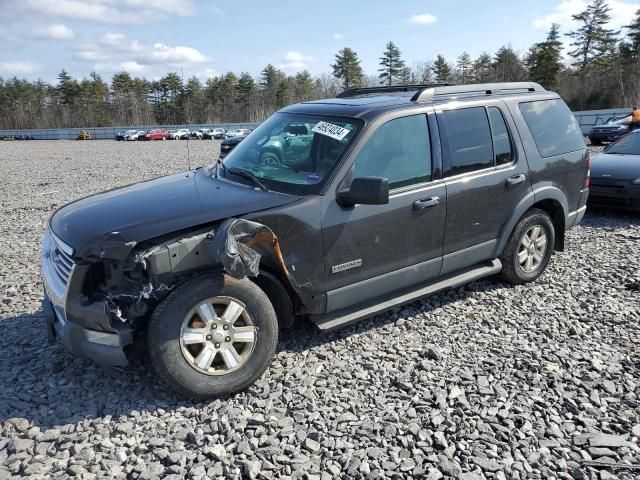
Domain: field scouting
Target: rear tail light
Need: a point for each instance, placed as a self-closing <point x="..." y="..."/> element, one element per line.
<point x="587" y="177"/>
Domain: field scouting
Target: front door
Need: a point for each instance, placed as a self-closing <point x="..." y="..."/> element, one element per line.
<point x="371" y="250"/>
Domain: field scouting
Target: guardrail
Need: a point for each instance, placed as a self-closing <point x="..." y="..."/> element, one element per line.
<point x="586" y="119"/>
<point x="109" y="133"/>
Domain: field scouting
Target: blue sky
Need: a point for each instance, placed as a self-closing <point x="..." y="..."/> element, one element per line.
<point x="208" y="37"/>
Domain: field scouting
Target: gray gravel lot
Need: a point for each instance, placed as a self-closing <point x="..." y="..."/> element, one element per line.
<point x="484" y="381"/>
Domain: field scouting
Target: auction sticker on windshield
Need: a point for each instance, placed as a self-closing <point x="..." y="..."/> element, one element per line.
<point x="330" y="130"/>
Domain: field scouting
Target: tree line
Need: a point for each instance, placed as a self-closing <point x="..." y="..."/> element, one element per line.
<point x="603" y="72"/>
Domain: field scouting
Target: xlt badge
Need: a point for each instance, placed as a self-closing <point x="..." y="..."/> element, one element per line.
<point x="346" y="266"/>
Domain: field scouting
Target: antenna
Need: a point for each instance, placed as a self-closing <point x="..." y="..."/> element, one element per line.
<point x="187" y="124"/>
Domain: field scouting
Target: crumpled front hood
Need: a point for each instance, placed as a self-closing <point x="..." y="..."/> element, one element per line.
<point x="110" y="224"/>
<point x="619" y="167"/>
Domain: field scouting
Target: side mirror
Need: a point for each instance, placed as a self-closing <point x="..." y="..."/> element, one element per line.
<point x="365" y="191"/>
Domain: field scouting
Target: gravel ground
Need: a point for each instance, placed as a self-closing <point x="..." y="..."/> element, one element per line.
<point x="484" y="381"/>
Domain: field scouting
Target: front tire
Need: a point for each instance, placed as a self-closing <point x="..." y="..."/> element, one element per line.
<point x="213" y="335"/>
<point x="529" y="248"/>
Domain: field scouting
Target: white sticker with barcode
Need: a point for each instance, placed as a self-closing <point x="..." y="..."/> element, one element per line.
<point x="330" y="130"/>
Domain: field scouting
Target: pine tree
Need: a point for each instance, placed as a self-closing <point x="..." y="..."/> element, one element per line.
<point x="465" y="68"/>
<point x="68" y="89"/>
<point x="544" y="59"/>
<point x="303" y="86"/>
<point x="508" y="66"/>
<point x="593" y="43"/>
<point x="632" y="47"/>
<point x="482" y="71"/>
<point x="441" y="70"/>
<point x="347" y="68"/>
<point x="391" y="64"/>
<point x="271" y="77"/>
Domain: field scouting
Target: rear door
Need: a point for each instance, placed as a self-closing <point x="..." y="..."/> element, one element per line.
<point x="371" y="250"/>
<point x="486" y="176"/>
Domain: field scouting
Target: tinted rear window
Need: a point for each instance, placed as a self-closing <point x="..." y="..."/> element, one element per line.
<point x="470" y="139"/>
<point x="553" y="127"/>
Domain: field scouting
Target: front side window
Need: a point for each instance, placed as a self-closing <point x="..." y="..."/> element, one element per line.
<point x="470" y="140"/>
<point x="292" y="153"/>
<point x="399" y="150"/>
<point x="553" y="127"/>
<point x="502" y="146"/>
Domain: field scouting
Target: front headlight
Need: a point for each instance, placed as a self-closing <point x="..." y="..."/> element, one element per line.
<point x="636" y="181"/>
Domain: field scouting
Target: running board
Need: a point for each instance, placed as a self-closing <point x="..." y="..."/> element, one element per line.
<point x="347" y="316"/>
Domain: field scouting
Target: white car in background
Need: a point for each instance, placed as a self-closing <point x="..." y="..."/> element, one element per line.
<point x="237" y="132"/>
<point x="182" y="134"/>
<point x="133" y="135"/>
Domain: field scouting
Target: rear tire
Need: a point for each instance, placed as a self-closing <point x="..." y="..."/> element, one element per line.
<point x="595" y="142"/>
<point x="222" y="350"/>
<point x="529" y="248"/>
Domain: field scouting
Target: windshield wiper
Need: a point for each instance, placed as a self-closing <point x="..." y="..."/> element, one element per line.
<point x="241" y="172"/>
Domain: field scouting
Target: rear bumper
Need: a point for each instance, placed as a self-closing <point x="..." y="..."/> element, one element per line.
<point x="102" y="347"/>
<point x="576" y="217"/>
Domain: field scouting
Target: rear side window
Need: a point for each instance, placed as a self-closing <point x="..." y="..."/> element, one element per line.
<point x="400" y="151"/>
<point x="470" y="140"/>
<point x="553" y="127"/>
<point x="502" y="147"/>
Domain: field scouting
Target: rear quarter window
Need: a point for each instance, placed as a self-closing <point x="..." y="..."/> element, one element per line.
<point x="553" y="127"/>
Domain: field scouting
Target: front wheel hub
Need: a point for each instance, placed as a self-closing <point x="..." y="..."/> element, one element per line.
<point x="218" y="336"/>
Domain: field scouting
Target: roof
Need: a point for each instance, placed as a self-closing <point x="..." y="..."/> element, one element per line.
<point x="358" y="102"/>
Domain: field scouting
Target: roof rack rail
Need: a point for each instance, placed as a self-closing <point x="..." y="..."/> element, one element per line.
<point x="480" y="89"/>
<point x="361" y="91"/>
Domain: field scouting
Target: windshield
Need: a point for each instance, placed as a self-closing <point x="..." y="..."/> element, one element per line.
<point x="292" y="153"/>
<point x="627" y="145"/>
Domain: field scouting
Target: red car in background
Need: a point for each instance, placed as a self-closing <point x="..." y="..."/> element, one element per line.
<point x="156" y="135"/>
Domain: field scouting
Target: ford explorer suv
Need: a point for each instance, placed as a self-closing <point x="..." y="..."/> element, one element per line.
<point x="402" y="192"/>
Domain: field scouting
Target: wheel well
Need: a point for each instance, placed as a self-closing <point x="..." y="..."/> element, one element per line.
<point x="556" y="212"/>
<point x="281" y="297"/>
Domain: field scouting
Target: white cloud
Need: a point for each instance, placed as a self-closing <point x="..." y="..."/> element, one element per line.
<point x="18" y="68"/>
<point x="295" y="61"/>
<point x="107" y="11"/>
<point x="55" y="32"/>
<point x="423" y="19"/>
<point x="132" y="67"/>
<point x="621" y="14"/>
<point x="338" y="36"/>
<point x="161" y="53"/>
<point x="116" y="49"/>
<point x="209" y="73"/>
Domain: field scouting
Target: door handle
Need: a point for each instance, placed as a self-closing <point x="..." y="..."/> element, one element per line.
<point x="426" y="203"/>
<point x="516" y="180"/>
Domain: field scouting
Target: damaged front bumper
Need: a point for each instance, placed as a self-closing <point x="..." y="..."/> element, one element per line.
<point x="69" y="318"/>
<point x="104" y="348"/>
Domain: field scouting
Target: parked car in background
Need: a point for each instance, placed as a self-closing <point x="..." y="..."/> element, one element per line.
<point x="197" y="134"/>
<point x="292" y="143"/>
<point x="121" y="136"/>
<point x="23" y="136"/>
<point x="134" y="135"/>
<point x="237" y="132"/>
<point x="613" y="129"/>
<point x="218" y="133"/>
<point x="181" y="134"/>
<point x="228" y="144"/>
<point x="156" y="134"/>
<point x="615" y="174"/>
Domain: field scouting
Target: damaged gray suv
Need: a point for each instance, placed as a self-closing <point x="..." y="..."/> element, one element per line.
<point x="391" y="194"/>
